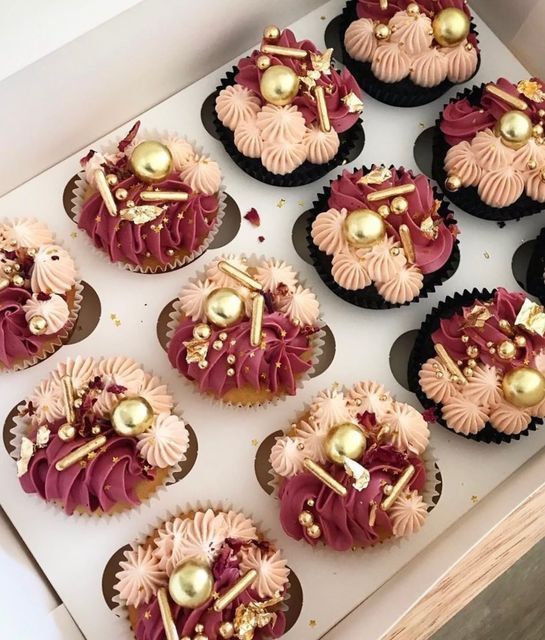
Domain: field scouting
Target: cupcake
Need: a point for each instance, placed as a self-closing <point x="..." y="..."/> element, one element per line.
<point x="152" y="202"/>
<point x="246" y="331"/>
<point x="350" y="471"/>
<point x="409" y="53"/>
<point x="98" y="436"/>
<point x="205" y="575"/>
<point x="285" y="114"/>
<point x="479" y="363"/>
<point x="489" y="149"/>
<point x="382" y="237"/>
<point x="40" y="293"/>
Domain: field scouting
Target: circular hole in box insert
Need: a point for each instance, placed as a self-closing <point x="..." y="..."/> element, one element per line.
<point x="294" y="600"/>
<point x="229" y="226"/>
<point x="191" y="455"/>
<point x="162" y="324"/>
<point x="332" y="37"/>
<point x="208" y="114"/>
<point x="9" y="423"/>
<point x="329" y="347"/>
<point x="67" y="196"/>
<point x="423" y="151"/>
<point x="89" y="315"/>
<point x="399" y="356"/>
<point x="521" y="261"/>
<point x="262" y="466"/>
<point x="299" y="236"/>
<point x="358" y="145"/>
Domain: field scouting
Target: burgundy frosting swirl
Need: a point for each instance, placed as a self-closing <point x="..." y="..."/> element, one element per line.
<point x="183" y="226"/>
<point x="431" y="254"/>
<point x="344" y="521"/>
<point x="274" y="368"/>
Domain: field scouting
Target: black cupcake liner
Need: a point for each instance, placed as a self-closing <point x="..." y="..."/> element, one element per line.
<point x="468" y="198"/>
<point x="423" y="350"/>
<point x="404" y="93"/>
<point x="305" y="174"/>
<point x="369" y="298"/>
<point x="535" y="283"/>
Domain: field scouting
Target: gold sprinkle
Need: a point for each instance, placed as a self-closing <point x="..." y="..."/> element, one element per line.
<point x="312" y="622"/>
<point x="486" y="255"/>
<point x="281" y="203"/>
<point x="74" y="234"/>
<point x="474" y="499"/>
<point x="147" y="615"/>
<point x="115" y="459"/>
<point x="421" y="125"/>
<point x="115" y="319"/>
<point x="301" y="203"/>
<point x="322" y="18"/>
<point x="255" y="442"/>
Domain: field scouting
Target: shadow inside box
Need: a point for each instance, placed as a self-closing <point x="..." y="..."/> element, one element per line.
<point x="423" y="151"/>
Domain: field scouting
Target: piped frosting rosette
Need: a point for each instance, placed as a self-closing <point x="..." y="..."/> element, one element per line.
<point x="352" y="472"/>
<point x="479" y="364"/>
<point x="152" y="201"/>
<point x="409" y="53"/>
<point x="40" y="293"/>
<point x="489" y="149"/>
<point x="205" y="575"/>
<point x="246" y="331"/>
<point x="98" y="436"/>
<point x="382" y="237"/>
<point x="285" y="114"/>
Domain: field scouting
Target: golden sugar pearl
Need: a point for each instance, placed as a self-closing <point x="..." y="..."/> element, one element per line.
<point x="468" y="372"/>
<point x="465" y="339"/>
<point x="514" y="128"/>
<point x="224" y="307"/>
<point x="472" y="363"/>
<point x="520" y="341"/>
<point x="112" y="179"/>
<point x="217" y="345"/>
<point x="66" y="433"/>
<point x="121" y="194"/>
<point x="151" y="161"/>
<point x="191" y="584"/>
<point x="450" y="27"/>
<point x="472" y="351"/>
<point x="345" y="440"/>
<point x="537" y="130"/>
<point x="413" y="9"/>
<point x="37" y="325"/>
<point x="399" y="205"/>
<point x="279" y="85"/>
<point x="310" y="502"/>
<point x="453" y="183"/>
<point x="384" y="210"/>
<point x="263" y="62"/>
<point x="382" y="32"/>
<point x="18" y="280"/>
<point x="231" y="372"/>
<point x="306" y="519"/>
<point x="532" y="164"/>
<point x="314" y="532"/>
<point x="201" y="331"/>
<point x="364" y="227"/>
<point x="203" y="364"/>
<point x="132" y="416"/>
<point x="506" y="350"/>
<point x="271" y="32"/>
<point x="227" y="630"/>
<point x="523" y="387"/>
<point x="231" y="358"/>
<point x="222" y="336"/>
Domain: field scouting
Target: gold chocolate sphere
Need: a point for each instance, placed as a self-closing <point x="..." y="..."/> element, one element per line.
<point x="382" y="32"/>
<point x="314" y="532"/>
<point x="524" y="387"/>
<point x="399" y="205"/>
<point x="450" y="27"/>
<point x="37" y="325"/>
<point x="151" y="161"/>
<point x="263" y="62"/>
<point x="66" y="433"/>
<point x="224" y="307"/>
<point x="345" y="440"/>
<point x="364" y="227"/>
<point x="201" y="331"/>
<point x="190" y="584"/>
<point x="514" y="128"/>
<point x="537" y="130"/>
<point x="306" y="519"/>
<point x="121" y="194"/>
<point x="413" y="9"/>
<point x="272" y="32"/>
<point x="227" y="630"/>
<point x="453" y="183"/>
<point x="506" y="350"/>
<point x="279" y="85"/>
<point x="132" y="416"/>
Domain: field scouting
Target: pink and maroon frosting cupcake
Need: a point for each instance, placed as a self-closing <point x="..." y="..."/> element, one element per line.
<point x="409" y="53"/>
<point x="382" y="237"/>
<point x="246" y="332"/>
<point x="285" y="114"/>
<point x="204" y="575"/>
<point x="489" y="149"/>
<point x="479" y="364"/>
<point x="350" y="470"/>
<point x="40" y="293"/>
<point x="98" y="436"/>
<point x="151" y="202"/>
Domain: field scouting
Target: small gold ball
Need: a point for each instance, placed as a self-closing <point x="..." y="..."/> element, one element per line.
<point x="311" y="502"/>
<point x="217" y="345"/>
<point x="263" y="62"/>
<point x="132" y="416"/>
<point x="18" y="280"/>
<point x="271" y="32"/>
<point x="345" y="440"/>
<point x="384" y="210"/>
<point x="95" y="430"/>
<point x="130" y="204"/>
<point x="314" y="531"/>
<point x="222" y="336"/>
<point x="37" y="325"/>
<point x="399" y="205"/>
<point x="8" y="269"/>
<point x="279" y="85"/>
<point x="190" y="584"/>
<point x="541" y="113"/>
<point x="395" y="251"/>
<point x="450" y="27"/>
<point x="231" y="372"/>
<point x="465" y="338"/>
<point x="231" y="358"/>
<point x="112" y="179"/>
<point x="453" y="183"/>
<point x="413" y="9"/>
<point x="382" y="32"/>
<point x="151" y="161"/>
<point x="532" y="164"/>
<point x="227" y="630"/>
<point x="472" y="363"/>
<point x="201" y="331"/>
<point x="514" y="128"/>
<point x="121" y="194"/>
<point x="506" y="350"/>
<point x="224" y="307"/>
<point x="203" y="364"/>
<point x="472" y="351"/>
<point x="306" y="519"/>
<point x="523" y="387"/>
<point x="537" y="130"/>
<point x="78" y="402"/>
<point x="364" y="227"/>
<point x="468" y="372"/>
<point x="66" y="433"/>
<point x="520" y="341"/>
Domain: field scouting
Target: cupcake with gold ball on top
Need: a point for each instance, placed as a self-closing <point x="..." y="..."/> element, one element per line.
<point x="286" y="114"/>
<point x="152" y="202"/>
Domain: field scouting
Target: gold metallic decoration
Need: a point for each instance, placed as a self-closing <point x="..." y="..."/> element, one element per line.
<point x="252" y="616"/>
<point x="407" y="243"/>
<point x="373" y="514"/>
<point x="384" y="210"/>
<point x="354" y="104"/>
<point x="345" y="440"/>
<point x="151" y="161"/>
<point x="37" y="325"/>
<point x="224" y="307"/>
<point x="399" y="205"/>
<point x="191" y="584"/>
<point x="382" y="31"/>
<point x="384" y="5"/>
<point x="141" y="214"/>
<point x="514" y="128"/>
<point x="306" y="519"/>
<point x="103" y="187"/>
<point x="325" y="477"/>
<point x="80" y="453"/>
<point x="512" y="101"/>
<point x="532" y="317"/>
<point x="314" y="531"/>
<point x="66" y="432"/>
<point x="279" y="85"/>
<point x="413" y="9"/>
<point x="18" y="280"/>
<point x="477" y="316"/>
<point x="42" y="437"/>
<point x="132" y="416"/>
<point x="364" y="227"/>
<point x="25" y="455"/>
<point x="505" y="327"/>
<point x="472" y="351"/>
<point x="453" y="183"/>
<point x="323" y="115"/>
<point x="537" y="131"/>
<point x="68" y="399"/>
<point x="523" y="387"/>
<point x="384" y="194"/>
<point x="112" y="179"/>
<point x="532" y="90"/>
<point x="288" y="52"/>
<point x="429" y="228"/>
<point x="217" y="345"/>
<point x="271" y="32"/>
<point x="263" y="62"/>
<point x="169" y="625"/>
<point x="376" y="176"/>
<point x="121" y="194"/>
<point x="468" y="372"/>
<point x="226" y="630"/>
<point x="321" y="62"/>
<point x="240" y="276"/>
<point x="449" y="363"/>
<point x="197" y="348"/>
<point x="258" y="308"/>
<point x="506" y="350"/>
<point x="361" y="475"/>
<point x="520" y="341"/>
<point x="230" y="372"/>
<point x="202" y="331"/>
<point x="233" y="592"/>
<point x="402" y="482"/>
<point x="164" y="196"/>
<point x="450" y="27"/>
<point x="4" y="283"/>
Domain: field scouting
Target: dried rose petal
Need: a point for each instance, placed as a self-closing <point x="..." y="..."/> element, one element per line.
<point x="86" y="159"/>
<point x="261" y="238"/>
<point x="253" y="217"/>
<point x="129" y="137"/>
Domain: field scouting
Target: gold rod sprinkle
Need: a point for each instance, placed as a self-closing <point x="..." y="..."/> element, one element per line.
<point x="238" y="275"/>
<point x="166" y="615"/>
<point x="325" y="477"/>
<point x="78" y="454"/>
<point x="325" y="124"/>
<point x="258" y="306"/>
<point x="400" y="190"/>
<point x="407" y="242"/>
<point x="105" y="193"/>
<point x="373" y="514"/>
<point x="68" y="397"/>
<point x="232" y="593"/>
<point x="513" y="101"/>
<point x="166" y="196"/>
<point x="400" y="485"/>
<point x="275" y="50"/>
<point x="384" y="4"/>
<point x="449" y="363"/>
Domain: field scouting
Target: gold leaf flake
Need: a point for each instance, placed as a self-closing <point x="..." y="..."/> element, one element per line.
<point x="27" y="451"/>
<point x="354" y="104"/>
<point x="255" y="442"/>
<point x="141" y="214"/>
<point x="115" y="319"/>
<point x="532" y="317"/>
<point x="301" y="203"/>
<point x="312" y="622"/>
<point x="474" y="499"/>
<point x="429" y="228"/>
<point x="197" y="350"/>
<point x="532" y="90"/>
<point x="477" y="316"/>
<point x="42" y="437"/>
<point x="74" y="234"/>
<point x="376" y="176"/>
<point x="281" y="203"/>
<point x="322" y="61"/>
